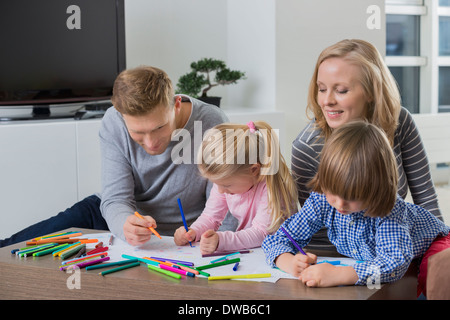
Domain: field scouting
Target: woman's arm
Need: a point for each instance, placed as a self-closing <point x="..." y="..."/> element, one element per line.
<point x="415" y="164"/>
<point x="306" y="149"/>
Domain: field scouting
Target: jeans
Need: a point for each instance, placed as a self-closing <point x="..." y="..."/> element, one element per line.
<point x="84" y="214"/>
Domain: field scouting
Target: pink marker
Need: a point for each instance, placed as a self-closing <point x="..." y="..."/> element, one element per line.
<point x="176" y="270"/>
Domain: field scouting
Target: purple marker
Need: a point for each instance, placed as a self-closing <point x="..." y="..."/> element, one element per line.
<point x="87" y="263"/>
<point x="186" y="263"/>
<point x="292" y="240"/>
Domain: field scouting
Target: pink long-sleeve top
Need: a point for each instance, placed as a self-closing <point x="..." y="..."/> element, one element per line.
<point x="250" y="209"/>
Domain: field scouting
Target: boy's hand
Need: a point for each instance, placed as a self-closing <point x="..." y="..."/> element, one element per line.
<point x="209" y="242"/>
<point x="327" y="275"/>
<point x="294" y="265"/>
<point x="136" y="229"/>
<point x="181" y="237"/>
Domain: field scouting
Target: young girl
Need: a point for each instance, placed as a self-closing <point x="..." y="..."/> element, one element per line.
<point x="354" y="195"/>
<point x="250" y="180"/>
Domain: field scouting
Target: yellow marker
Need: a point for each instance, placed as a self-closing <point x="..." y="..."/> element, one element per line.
<point x="58" y="253"/>
<point x="242" y="276"/>
<point x="150" y="228"/>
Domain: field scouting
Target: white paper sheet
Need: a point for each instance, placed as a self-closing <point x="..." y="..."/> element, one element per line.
<point x="250" y="263"/>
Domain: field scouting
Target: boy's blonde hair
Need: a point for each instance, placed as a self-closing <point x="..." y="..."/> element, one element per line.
<point x="138" y="91"/>
<point x="229" y="149"/>
<point x="378" y="83"/>
<point x="358" y="164"/>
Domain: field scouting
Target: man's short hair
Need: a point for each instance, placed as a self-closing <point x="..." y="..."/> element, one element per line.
<point x="138" y="91"/>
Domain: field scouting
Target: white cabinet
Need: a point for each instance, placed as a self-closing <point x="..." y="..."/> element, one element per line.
<point x="45" y="167"/>
<point x="88" y="157"/>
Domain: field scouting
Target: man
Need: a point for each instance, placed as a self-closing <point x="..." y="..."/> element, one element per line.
<point x="138" y="173"/>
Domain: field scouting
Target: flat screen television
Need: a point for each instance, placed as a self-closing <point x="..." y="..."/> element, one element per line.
<point x="58" y="55"/>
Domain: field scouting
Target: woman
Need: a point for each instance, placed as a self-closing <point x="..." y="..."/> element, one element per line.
<point x="351" y="81"/>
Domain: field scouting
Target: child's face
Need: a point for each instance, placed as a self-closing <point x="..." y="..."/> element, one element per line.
<point x="237" y="184"/>
<point x="344" y="206"/>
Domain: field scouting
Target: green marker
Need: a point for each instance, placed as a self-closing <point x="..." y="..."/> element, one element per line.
<point x="134" y="264"/>
<point x="199" y="271"/>
<point x="29" y="252"/>
<point x="47" y="251"/>
<point x="166" y="272"/>
<point x="72" y="251"/>
<point x="218" y="264"/>
<point x="106" y="265"/>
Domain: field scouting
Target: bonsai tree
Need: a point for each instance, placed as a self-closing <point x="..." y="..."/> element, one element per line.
<point x="200" y="77"/>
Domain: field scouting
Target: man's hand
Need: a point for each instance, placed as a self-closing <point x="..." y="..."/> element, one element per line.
<point x="136" y="229"/>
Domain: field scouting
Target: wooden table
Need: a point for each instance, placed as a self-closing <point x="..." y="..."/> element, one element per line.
<point x="40" y="278"/>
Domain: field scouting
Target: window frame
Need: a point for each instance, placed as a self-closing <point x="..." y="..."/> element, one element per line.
<point x="429" y="60"/>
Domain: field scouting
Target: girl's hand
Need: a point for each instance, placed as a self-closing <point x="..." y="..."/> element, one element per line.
<point x="294" y="265"/>
<point x="181" y="237"/>
<point x="209" y="242"/>
<point x="327" y="275"/>
<point x="136" y="229"/>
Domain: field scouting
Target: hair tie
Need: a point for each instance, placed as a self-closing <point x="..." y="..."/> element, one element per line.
<point x="251" y="126"/>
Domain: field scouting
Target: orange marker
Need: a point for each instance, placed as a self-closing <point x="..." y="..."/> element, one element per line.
<point x="150" y="228"/>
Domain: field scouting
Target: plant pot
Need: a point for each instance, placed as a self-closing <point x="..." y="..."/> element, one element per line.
<point x="211" y="100"/>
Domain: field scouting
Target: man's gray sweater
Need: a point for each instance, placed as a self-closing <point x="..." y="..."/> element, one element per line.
<point x="134" y="180"/>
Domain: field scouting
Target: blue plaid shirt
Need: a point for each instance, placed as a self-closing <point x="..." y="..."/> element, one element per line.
<point x="386" y="245"/>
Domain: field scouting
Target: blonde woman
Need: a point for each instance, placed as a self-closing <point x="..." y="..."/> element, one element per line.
<point x="354" y="195"/>
<point x="251" y="181"/>
<point x="351" y="82"/>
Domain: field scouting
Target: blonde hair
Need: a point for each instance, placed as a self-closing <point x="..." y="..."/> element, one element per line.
<point x="378" y="83"/>
<point x="229" y="149"/>
<point x="358" y="164"/>
<point x="138" y="91"/>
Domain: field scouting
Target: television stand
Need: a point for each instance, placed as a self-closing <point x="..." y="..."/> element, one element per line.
<point x="92" y="110"/>
<point x="41" y="111"/>
<point x="89" y="114"/>
<point x="76" y="110"/>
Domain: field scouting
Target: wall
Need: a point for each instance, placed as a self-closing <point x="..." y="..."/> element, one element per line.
<point x="275" y="42"/>
<point x="251" y="46"/>
<point x="303" y="29"/>
<point x="170" y="34"/>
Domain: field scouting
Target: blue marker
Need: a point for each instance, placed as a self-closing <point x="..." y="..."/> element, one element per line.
<point x="236" y="266"/>
<point x="182" y="217"/>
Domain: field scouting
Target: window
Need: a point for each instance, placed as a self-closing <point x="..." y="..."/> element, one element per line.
<point x="418" y="52"/>
<point x="403" y="43"/>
